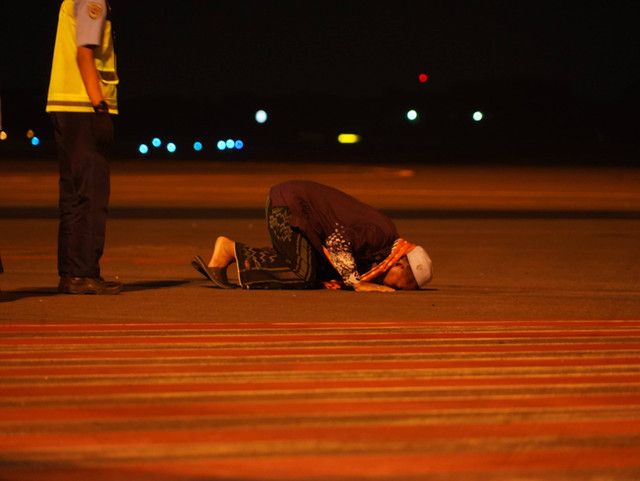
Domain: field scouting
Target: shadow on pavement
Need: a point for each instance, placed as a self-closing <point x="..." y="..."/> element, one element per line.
<point x="27" y="292"/>
<point x="10" y="296"/>
<point x="149" y="285"/>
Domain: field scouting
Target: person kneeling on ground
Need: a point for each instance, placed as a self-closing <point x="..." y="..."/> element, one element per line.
<point x="321" y="237"/>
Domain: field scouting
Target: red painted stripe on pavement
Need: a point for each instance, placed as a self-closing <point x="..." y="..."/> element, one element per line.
<point x="45" y="327"/>
<point x="491" y="465"/>
<point x="118" y="387"/>
<point x="347" y="434"/>
<point x="284" y="407"/>
<point x="173" y="339"/>
<point x="169" y="355"/>
<point x="234" y="365"/>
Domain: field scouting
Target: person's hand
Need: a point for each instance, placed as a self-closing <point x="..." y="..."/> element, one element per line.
<point x="371" y="287"/>
<point x="103" y="130"/>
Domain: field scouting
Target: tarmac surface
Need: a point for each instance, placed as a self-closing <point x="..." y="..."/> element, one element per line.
<point x="518" y="362"/>
<point x="506" y="241"/>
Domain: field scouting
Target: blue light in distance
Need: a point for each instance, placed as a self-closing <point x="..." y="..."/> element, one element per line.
<point x="412" y="114"/>
<point x="171" y="147"/>
<point x="239" y="144"/>
<point x="230" y="144"/>
<point x="221" y="145"/>
<point x="261" y="116"/>
<point x="143" y="149"/>
<point x="35" y="141"/>
<point x="477" y="116"/>
<point x="197" y="146"/>
<point x="156" y="142"/>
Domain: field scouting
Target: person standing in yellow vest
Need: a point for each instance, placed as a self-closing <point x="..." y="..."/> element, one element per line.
<point x="82" y="95"/>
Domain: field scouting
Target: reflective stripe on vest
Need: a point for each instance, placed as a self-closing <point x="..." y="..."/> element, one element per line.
<point x="67" y="92"/>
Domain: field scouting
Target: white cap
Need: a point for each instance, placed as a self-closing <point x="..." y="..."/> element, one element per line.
<point x="421" y="267"/>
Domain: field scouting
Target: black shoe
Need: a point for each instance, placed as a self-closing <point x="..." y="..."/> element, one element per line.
<point x="88" y="285"/>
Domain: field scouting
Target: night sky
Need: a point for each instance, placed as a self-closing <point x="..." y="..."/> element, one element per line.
<point x="219" y="47"/>
<point x="203" y="50"/>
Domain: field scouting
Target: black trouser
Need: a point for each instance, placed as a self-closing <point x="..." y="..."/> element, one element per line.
<point x="83" y="141"/>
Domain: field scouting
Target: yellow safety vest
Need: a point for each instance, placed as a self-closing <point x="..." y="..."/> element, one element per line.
<point x="67" y="92"/>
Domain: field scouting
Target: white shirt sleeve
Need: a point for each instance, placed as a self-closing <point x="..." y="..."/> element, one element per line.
<point x="90" y="18"/>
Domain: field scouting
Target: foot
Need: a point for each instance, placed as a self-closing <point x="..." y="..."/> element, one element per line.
<point x="88" y="285"/>
<point x="217" y="275"/>
<point x="224" y="253"/>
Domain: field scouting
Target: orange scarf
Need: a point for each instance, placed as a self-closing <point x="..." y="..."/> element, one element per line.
<point x="400" y="248"/>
